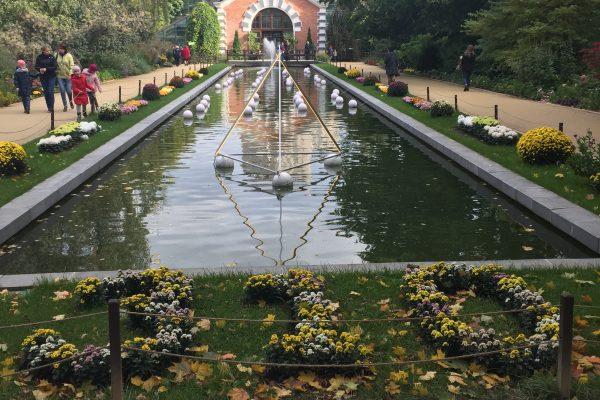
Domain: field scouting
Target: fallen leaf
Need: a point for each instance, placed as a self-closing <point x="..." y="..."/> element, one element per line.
<point x="241" y="368"/>
<point x="456" y="378"/>
<point x="59" y="317"/>
<point x="310" y="379"/>
<point x="268" y="321"/>
<point x="453" y="389"/>
<point x="399" y="352"/>
<point x="392" y="388"/>
<point x="586" y="298"/>
<point x="199" y="349"/>
<point x="61" y="295"/>
<point x="220" y="323"/>
<point x="399" y="377"/>
<point x="353" y="293"/>
<point x="203" y="324"/>
<point x="527" y="248"/>
<point x="580" y="322"/>
<point x="429" y="375"/>
<point x="238" y="394"/>
<point x="227" y="356"/>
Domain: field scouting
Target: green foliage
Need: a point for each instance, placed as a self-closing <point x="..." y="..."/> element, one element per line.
<point x="441" y="109"/>
<point x="253" y="43"/>
<point x="109" y="112"/>
<point x="545" y="146"/>
<point x="586" y="161"/>
<point x="204" y="29"/>
<point x="309" y="38"/>
<point x="291" y="40"/>
<point x="237" y="46"/>
<point x="322" y="57"/>
<point x="537" y="39"/>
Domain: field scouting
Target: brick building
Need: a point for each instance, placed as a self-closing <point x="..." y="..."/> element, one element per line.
<point x="272" y="19"/>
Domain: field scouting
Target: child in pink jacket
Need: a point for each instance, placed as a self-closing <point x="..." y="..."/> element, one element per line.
<point x="93" y="81"/>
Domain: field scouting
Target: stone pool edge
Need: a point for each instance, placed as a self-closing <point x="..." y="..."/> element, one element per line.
<point x="21" y="211"/>
<point x="575" y="221"/>
<point x="23" y="281"/>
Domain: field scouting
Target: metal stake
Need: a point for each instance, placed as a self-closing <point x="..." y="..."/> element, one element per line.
<point x="279" y="160"/>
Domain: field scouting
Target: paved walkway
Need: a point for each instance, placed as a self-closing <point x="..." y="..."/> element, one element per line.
<point x="514" y="112"/>
<point x="16" y="126"/>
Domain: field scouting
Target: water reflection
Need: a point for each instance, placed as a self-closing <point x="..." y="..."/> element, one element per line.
<point x="394" y="200"/>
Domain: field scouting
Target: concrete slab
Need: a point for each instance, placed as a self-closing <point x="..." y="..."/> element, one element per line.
<point x="568" y="217"/>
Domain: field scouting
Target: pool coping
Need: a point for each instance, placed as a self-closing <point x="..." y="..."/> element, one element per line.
<point x="23" y="281"/>
<point x="21" y="211"/>
<point x="575" y="221"/>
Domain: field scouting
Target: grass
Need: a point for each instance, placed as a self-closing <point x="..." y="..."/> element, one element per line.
<point x="559" y="179"/>
<point x="44" y="165"/>
<point x="358" y="294"/>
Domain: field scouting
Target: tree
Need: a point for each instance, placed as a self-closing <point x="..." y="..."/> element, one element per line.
<point x="204" y="30"/>
<point x="237" y="46"/>
<point x="309" y="38"/>
<point x="291" y="40"/>
<point x="253" y="44"/>
<point x="538" y="39"/>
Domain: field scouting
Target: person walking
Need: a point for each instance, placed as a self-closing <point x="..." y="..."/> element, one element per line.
<point x="186" y="54"/>
<point x="65" y="63"/>
<point x="22" y="80"/>
<point x="466" y="64"/>
<point x="80" y="90"/>
<point x="92" y="79"/>
<point x="391" y="65"/>
<point x="308" y="50"/>
<point x="177" y="55"/>
<point x="46" y="65"/>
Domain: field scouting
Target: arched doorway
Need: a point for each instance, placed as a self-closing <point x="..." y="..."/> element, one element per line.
<point x="272" y="24"/>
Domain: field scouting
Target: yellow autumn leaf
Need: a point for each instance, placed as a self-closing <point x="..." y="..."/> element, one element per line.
<point x="429" y="375"/>
<point x="580" y="322"/>
<point x="268" y="321"/>
<point x="136" y="381"/>
<point x="203" y="324"/>
<point x="259" y="369"/>
<point x="399" y="352"/>
<point x="241" y="368"/>
<point x="399" y="377"/>
<point x="456" y="378"/>
<point x="310" y="379"/>
<point x="220" y="323"/>
<point x="453" y="389"/>
<point x="392" y="388"/>
<point x="238" y="394"/>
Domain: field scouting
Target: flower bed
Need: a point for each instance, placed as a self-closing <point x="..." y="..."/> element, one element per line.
<point x="193" y="74"/>
<point x="545" y="146"/>
<point x="352" y="73"/>
<point x="12" y="158"/>
<point x="487" y="129"/>
<point x="312" y="341"/>
<point x="156" y="291"/>
<point x="166" y="90"/>
<point x="418" y="102"/>
<point x="427" y="293"/>
<point x="66" y="136"/>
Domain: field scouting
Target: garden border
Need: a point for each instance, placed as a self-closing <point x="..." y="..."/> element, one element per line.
<point x="19" y="212"/>
<point x="21" y="281"/>
<point x="575" y="221"/>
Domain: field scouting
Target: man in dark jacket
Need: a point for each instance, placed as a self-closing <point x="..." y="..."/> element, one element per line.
<point x="177" y="55"/>
<point x="22" y="81"/>
<point x="391" y="65"/>
<point x="46" y="65"/>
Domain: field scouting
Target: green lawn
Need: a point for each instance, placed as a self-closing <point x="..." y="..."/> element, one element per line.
<point x="559" y="179"/>
<point x="44" y="165"/>
<point x="359" y="295"/>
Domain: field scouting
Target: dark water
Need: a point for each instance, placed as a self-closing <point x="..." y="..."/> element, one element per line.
<point x="393" y="200"/>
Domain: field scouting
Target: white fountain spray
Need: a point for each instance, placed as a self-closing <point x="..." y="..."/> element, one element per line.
<point x="268" y="49"/>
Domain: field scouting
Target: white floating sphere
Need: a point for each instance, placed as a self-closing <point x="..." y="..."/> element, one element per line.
<point x="206" y="97"/>
<point x="334" y="96"/>
<point x="254" y="84"/>
<point x="289" y="82"/>
<point x="298" y="101"/>
<point x="353" y="111"/>
<point x="336" y="91"/>
<point x="323" y="82"/>
<point x="353" y="103"/>
<point x="339" y="100"/>
<point x="205" y="103"/>
<point x="187" y="114"/>
<point x="200" y="108"/>
<point x="223" y="163"/>
<point x="302" y="107"/>
<point x="302" y="114"/>
<point x="256" y="97"/>
<point x="188" y="122"/>
<point x="334" y="161"/>
<point x="248" y="111"/>
<point x="252" y="104"/>
<point x="218" y="86"/>
<point x="283" y="180"/>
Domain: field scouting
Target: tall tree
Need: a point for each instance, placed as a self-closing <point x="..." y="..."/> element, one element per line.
<point x="204" y="29"/>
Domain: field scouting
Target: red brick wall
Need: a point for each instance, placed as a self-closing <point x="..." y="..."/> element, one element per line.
<point x="308" y="12"/>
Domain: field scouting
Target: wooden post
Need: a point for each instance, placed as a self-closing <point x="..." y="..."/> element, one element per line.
<point x="139" y="87"/>
<point x="496" y="111"/>
<point x="362" y="72"/>
<point x="428" y="98"/>
<point x="120" y="98"/>
<point x="114" y="337"/>
<point x="165" y="78"/>
<point x="561" y="127"/>
<point x="52" y="119"/>
<point x="456" y="102"/>
<point x="155" y="80"/>
<point x="565" y="345"/>
<point x="182" y="72"/>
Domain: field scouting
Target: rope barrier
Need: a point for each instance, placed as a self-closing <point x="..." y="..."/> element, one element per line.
<point x="586" y="340"/>
<point x="51" y="321"/>
<point x="74" y="357"/>
<point x="586" y="306"/>
<point x="328" y="366"/>
<point x="294" y="321"/>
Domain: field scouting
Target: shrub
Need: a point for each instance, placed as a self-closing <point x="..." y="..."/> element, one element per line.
<point x="204" y="29"/>
<point x="595" y="181"/>
<point x="7" y="98"/>
<point x="352" y="73"/>
<point x="342" y="70"/>
<point x="322" y="57"/>
<point x="545" y="146"/>
<point x="177" y="82"/>
<point x="370" y="81"/>
<point x="192" y="74"/>
<point x="12" y="158"/>
<point x="150" y="92"/>
<point x="586" y="161"/>
<point x="109" y="112"/>
<point x="441" y="109"/>
<point x="204" y="71"/>
<point x="397" y="89"/>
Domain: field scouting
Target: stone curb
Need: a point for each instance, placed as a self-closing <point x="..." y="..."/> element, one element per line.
<point x="575" y="221"/>
<point x="28" y="280"/>
<point x="19" y="212"/>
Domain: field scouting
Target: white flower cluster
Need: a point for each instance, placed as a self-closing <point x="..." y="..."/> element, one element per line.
<point x="466" y="120"/>
<point x="54" y="140"/>
<point x="89" y="127"/>
<point x="501" y="131"/>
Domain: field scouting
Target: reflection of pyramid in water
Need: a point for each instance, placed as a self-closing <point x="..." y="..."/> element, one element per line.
<point x="270" y="236"/>
<point x="226" y="161"/>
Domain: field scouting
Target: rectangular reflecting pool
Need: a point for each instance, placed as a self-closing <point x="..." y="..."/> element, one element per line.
<point x="393" y="199"/>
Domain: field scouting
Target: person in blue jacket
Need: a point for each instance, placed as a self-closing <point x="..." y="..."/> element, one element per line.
<point x="22" y="80"/>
